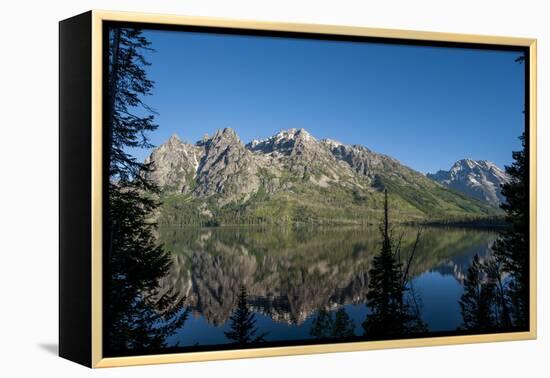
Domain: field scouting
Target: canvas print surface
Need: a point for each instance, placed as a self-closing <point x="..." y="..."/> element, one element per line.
<point x="269" y="190"/>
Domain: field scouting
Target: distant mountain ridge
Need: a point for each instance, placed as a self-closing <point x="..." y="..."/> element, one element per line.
<point x="480" y="179"/>
<point x="294" y="177"/>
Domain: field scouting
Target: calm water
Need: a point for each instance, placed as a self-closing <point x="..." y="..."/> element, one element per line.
<point x="290" y="274"/>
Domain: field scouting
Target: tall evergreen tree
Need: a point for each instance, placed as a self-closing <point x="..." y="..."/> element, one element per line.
<point x="476" y="303"/>
<point x="130" y="118"/>
<point x="493" y="269"/>
<point x="138" y="316"/>
<point x="512" y="247"/>
<point x="385" y="295"/>
<point x="243" y="323"/>
<point x="322" y="325"/>
<point x="390" y="314"/>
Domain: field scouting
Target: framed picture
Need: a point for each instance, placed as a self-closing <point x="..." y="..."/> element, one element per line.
<point x="235" y="189"/>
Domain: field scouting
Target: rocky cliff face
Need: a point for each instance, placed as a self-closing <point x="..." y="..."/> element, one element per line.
<point x="218" y="165"/>
<point x="298" y="153"/>
<point x="174" y="164"/>
<point x="362" y="160"/>
<point x="374" y="166"/>
<point x="480" y="179"/>
<point x="292" y="176"/>
<point x="226" y="168"/>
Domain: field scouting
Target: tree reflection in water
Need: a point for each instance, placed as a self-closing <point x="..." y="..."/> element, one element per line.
<point x="243" y="323"/>
<point x="326" y="326"/>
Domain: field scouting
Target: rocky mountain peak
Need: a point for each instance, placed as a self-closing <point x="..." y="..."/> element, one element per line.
<point x="225" y="136"/>
<point x="226" y="168"/>
<point x="481" y="179"/>
<point x="470" y="164"/>
<point x="331" y="143"/>
<point x="300" y="133"/>
<point x="173" y="163"/>
<point x="226" y="133"/>
<point x="283" y="142"/>
<point x="174" y="139"/>
<point x="362" y="160"/>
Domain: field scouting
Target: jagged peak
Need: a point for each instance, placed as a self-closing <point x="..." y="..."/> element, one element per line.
<point x="225" y="134"/>
<point x="332" y="143"/>
<point x="175" y="142"/>
<point x="466" y="162"/>
<point x="470" y="164"/>
<point x="174" y="138"/>
<point x="226" y="131"/>
<point x="480" y="179"/>
<point x="293" y="133"/>
<point x="282" y="137"/>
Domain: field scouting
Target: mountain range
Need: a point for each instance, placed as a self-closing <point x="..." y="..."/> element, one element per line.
<point x="294" y="177"/>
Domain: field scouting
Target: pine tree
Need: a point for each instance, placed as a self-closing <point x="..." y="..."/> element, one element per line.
<point x="243" y="323"/>
<point x="138" y="316"/>
<point x="390" y="315"/>
<point x="493" y="269"/>
<point x="343" y="325"/>
<point x="325" y="325"/>
<point x="322" y="325"/>
<point x="476" y="304"/>
<point x="385" y="292"/>
<point x="512" y="247"/>
<point x="130" y="118"/>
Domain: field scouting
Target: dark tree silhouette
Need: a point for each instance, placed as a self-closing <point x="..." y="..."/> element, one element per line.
<point x="129" y="117"/>
<point x="505" y="274"/>
<point x="322" y="325"/>
<point x="139" y="317"/>
<point x="512" y="248"/>
<point x="243" y="323"/>
<point x="326" y="326"/>
<point x="390" y="313"/>
<point x="476" y="303"/>
<point x="343" y="325"/>
<point x="493" y="269"/>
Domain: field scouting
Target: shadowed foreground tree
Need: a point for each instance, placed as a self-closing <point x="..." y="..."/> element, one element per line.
<point x="505" y="275"/>
<point x="477" y="301"/>
<point x="343" y="325"/>
<point x="138" y="316"/>
<point x="326" y="326"/>
<point x="243" y="323"/>
<point x="321" y="327"/>
<point x="512" y="248"/>
<point x="495" y="279"/>
<point x="391" y="314"/>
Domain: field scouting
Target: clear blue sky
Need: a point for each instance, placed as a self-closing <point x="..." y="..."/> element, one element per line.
<point x="425" y="106"/>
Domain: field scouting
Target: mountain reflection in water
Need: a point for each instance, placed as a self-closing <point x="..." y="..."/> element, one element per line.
<point x="290" y="274"/>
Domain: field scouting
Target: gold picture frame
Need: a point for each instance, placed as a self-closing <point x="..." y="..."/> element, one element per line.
<point x="96" y="19"/>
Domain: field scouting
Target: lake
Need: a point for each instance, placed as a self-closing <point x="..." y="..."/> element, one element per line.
<point x="290" y="274"/>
